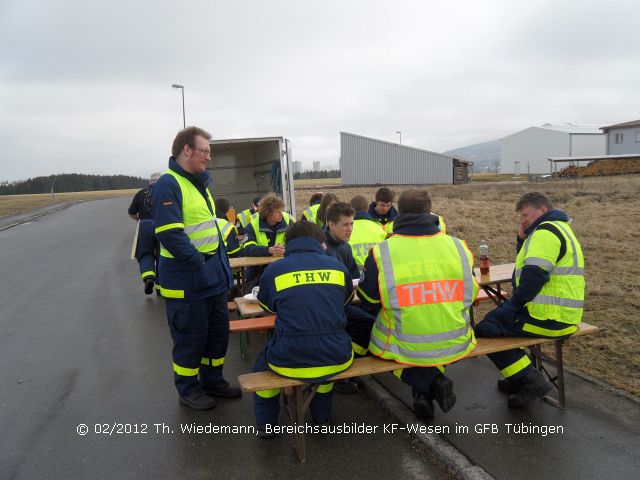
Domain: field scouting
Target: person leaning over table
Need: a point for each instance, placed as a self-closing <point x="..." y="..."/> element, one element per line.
<point x="195" y="272"/>
<point x="310" y="213"/>
<point x="244" y="217"/>
<point x="310" y="341"/>
<point x="547" y="299"/>
<point x="359" y="323"/>
<point x="421" y="281"/>
<point x="265" y="235"/>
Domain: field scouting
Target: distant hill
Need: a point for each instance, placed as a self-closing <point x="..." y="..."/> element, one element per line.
<point x="485" y="156"/>
<point x="72" y="182"/>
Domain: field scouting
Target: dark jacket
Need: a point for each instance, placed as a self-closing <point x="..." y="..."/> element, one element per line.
<point x="390" y="216"/>
<point x="199" y="276"/>
<point x="410" y="224"/>
<point x="141" y="204"/>
<point x="310" y="325"/>
<point x="341" y="251"/>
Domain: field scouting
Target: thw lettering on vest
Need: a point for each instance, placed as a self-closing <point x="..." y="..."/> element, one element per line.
<point x="423" y="293"/>
<point x="307" y="277"/>
<point x="362" y="249"/>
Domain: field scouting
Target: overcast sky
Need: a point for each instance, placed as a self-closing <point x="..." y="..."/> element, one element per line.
<point x="85" y="86"/>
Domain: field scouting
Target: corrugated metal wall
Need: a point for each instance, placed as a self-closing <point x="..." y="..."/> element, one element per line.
<point x="366" y="161"/>
<point x="531" y="147"/>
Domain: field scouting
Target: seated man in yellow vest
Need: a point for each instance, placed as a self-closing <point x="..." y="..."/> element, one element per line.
<point x="307" y="290"/>
<point x="548" y="295"/>
<point x="310" y="213"/>
<point x="421" y="280"/>
<point x="265" y="235"/>
<point x="366" y="231"/>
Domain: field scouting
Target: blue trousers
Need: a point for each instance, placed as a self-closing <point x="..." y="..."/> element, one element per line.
<point x="359" y="325"/>
<point x="266" y="403"/>
<point x="200" y="333"/>
<point x="501" y="322"/>
<point x="147" y="250"/>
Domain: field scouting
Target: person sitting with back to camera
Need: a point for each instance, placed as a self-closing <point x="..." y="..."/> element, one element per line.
<point x="310" y="341"/>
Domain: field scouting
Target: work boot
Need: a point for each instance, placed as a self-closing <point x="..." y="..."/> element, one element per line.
<point x="148" y="286"/>
<point x="345" y="386"/>
<point x="534" y="385"/>
<point x="198" y="400"/>
<point x="423" y="407"/>
<point x="510" y="385"/>
<point x="262" y="432"/>
<point x="223" y="389"/>
<point x="442" y="390"/>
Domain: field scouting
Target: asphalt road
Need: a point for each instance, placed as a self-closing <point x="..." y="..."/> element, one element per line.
<point x="81" y="344"/>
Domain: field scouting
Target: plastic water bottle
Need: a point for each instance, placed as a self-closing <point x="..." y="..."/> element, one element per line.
<point x="484" y="258"/>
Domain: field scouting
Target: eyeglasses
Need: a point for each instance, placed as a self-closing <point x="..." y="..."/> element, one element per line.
<point x="205" y="151"/>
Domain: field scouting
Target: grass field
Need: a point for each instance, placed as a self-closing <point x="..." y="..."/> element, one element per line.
<point x="312" y="182"/>
<point x="16" y="204"/>
<point x="606" y="219"/>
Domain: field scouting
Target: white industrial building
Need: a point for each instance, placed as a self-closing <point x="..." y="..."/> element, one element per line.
<point x="368" y="161"/>
<point x="623" y="138"/>
<point x="528" y="150"/>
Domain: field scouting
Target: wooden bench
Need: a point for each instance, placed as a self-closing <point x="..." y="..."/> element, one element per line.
<point x="299" y="394"/>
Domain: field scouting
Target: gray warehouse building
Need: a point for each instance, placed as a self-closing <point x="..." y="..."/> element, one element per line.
<point x="368" y="161"/>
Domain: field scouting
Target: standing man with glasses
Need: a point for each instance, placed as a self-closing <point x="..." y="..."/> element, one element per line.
<point x="195" y="272"/>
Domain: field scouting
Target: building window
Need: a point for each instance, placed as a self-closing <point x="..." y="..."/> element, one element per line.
<point x="618" y="138"/>
<point x="638" y="136"/>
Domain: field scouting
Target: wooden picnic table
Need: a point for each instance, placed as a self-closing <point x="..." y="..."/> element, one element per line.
<point x="244" y="262"/>
<point x="491" y="284"/>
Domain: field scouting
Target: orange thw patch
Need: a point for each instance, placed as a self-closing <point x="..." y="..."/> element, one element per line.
<point x="430" y="292"/>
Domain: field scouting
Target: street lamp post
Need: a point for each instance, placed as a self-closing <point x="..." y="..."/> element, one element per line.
<point x="399" y="133"/>
<point x="181" y="87"/>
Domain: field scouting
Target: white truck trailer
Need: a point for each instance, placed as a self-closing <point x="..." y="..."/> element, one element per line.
<point x="244" y="168"/>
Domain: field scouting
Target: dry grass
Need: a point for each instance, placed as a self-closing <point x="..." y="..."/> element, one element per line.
<point x="606" y="219"/>
<point x="313" y="182"/>
<point x="17" y="204"/>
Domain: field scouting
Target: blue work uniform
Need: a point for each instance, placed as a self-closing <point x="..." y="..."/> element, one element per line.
<point x="147" y="245"/>
<point x="261" y="236"/>
<point x="307" y="290"/>
<point x="195" y="275"/>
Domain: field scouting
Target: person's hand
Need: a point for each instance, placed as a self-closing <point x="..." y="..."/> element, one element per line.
<point x="523" y="227"/>
<point x="278" y="250"/>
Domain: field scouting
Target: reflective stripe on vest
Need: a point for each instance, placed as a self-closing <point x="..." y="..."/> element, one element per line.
<point x="199" y="223"/>
<point x="366" y="233"/>
<point x="311" y="213"/>
<point x="562" y="297"/>
<point x="424" y="318"/>
<point x="245" y="217"/>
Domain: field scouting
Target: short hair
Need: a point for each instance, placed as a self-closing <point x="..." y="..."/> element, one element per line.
<point x="414" y="200"/>
<point x="534" y="199"/>
<point x="359" y="203"/>
<point x="187" y="136"/>
<point x="327" y="199"/>
<point x="256" y="200"/>
<point x="223" y="204"/>
<point x="315" y="198"/>
<point x="339" y="209"/>
<point x="153" y="178"/>
<point x="304" y="229"/>
<point x="385" y="194"/>
<point x="269" y="204"/>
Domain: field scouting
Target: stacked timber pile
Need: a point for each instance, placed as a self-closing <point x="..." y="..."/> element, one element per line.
<point x="601" y="167"/>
